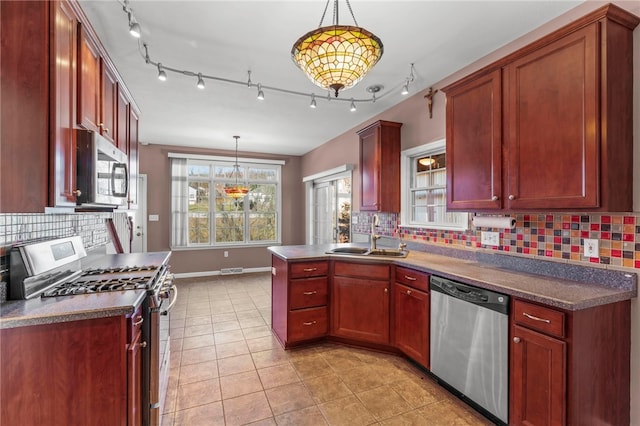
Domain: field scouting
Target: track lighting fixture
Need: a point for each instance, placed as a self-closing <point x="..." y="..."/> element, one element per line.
<point x="162" y="75"/>
<point x="405" y="88"/>
<point x="135" y="30"/>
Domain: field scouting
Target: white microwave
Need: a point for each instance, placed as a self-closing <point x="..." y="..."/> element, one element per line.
<point x="102" y="171"/>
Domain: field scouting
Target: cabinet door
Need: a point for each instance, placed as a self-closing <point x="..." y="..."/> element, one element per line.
<point x="474" y="144"/>
<point x="552" y="126"/>
<point x="370" y="170"/>
<point x="538" y="379"/>
<point x="134" y="382"/>
<point x="108" y="104"/>
<point x="63" y="144"/>
<point x="122" y="123"/>
<point x="360" y="309"/>
<point x="88" y="82"/>
<point x="132" y="150"/>
<point x="411" y="323"/>
<point x="380" y="167"/>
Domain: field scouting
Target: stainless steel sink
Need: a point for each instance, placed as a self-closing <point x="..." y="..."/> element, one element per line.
<point x="365" y="252"/>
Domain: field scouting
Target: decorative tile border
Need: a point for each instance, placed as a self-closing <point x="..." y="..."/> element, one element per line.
<point x="555" y="236"/>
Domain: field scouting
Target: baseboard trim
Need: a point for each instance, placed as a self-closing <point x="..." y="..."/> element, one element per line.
<point x="213" y="273"/>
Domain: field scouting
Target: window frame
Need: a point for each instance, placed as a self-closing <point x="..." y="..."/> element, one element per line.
<point x="245" y="163"/>
<point x="407" y="157"/>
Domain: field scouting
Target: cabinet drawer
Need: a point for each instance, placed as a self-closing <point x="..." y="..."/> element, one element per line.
<point x="305" y="324"/>
<point x="539" y="318"/>
<point x="308" y="269"/>
<point x="412" y="278"/>
<point x="308" y="293"/>
<point x="134" y="324"/>
<point x="364" y="270"/>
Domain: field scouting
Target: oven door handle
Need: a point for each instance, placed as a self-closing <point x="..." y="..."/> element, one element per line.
<point x="174" y="289"/>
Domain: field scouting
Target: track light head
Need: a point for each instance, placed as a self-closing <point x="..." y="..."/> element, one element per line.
<point x="134" y="29"/>
<point x="313" y="103"/>
<point x="352" y="108"/>
<point x="260" y="93"/>
<point x="200" y="84"/>
<point x="405" y="88"/>
<point x="162" y="75"/>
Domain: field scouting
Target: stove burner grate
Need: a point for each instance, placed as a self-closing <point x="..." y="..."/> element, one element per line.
<point x="115" y="270"/>
<point x="98" y="286"/>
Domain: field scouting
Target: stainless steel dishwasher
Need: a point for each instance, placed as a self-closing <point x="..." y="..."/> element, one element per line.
<point x="469" y="344"/>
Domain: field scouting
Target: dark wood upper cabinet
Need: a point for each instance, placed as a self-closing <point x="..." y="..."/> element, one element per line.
<point x="89" y="87"/>
<point x="474" y="144"/>
<point x="109" y="102"/>
<point x="380" y="167"/>
<point x="548" y="127"/>
<point x="64" y="72"/>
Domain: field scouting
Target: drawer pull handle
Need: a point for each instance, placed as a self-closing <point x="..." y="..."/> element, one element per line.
<point x="536" y="318"/>
<point x="310" y="269"/>
<point x="139" y="321"/>
<point x="410" y="278"/>
<point x="309" y="293"/>
<point x="309" y="323"/>
<point x="409" y="292"/>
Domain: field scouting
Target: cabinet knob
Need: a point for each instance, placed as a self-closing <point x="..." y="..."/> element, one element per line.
<point x="77" y="193"/>
<point x="386" y="290"/>
<point x="494" y="198"/>
<point x="516" y="340"/>
<point x="409" y="292"/>
<point x="512" y="197"/>
<point x="143" y="344"/>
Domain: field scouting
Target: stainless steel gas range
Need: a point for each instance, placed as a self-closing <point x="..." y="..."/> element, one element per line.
<point x="59" y="268"/>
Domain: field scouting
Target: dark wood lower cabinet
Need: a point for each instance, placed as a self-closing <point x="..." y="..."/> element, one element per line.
<point x="411" y="323"/>
<point x="72" y="373"/>
<point x="360" y="302"/>
<point x="538" y="378"/>
<point x="570" y="367"/>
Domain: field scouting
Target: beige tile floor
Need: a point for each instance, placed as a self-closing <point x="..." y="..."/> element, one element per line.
<point x="228" y="369"/>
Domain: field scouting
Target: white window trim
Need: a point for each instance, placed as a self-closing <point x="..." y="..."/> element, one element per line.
<point x="406" y="156"/>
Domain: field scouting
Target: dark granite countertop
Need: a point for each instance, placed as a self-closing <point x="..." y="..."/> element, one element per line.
<point x="48" y="310"/>
<point x="557" y="284"/>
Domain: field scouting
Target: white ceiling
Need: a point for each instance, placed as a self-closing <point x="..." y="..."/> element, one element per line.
<point x="227" y="38"/>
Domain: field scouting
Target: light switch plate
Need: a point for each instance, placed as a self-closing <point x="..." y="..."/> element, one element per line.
<point x="154" y="218"/>
<point x="590" y="247"/>
<point x="490" y="238"/>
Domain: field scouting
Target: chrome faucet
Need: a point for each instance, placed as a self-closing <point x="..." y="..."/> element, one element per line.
<point x="374" y="237"/>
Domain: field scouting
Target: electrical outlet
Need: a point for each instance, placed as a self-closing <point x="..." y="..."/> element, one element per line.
<point x="354" y="220"/>
<point x="490" y="238"/>
<point x="590" y="248"/>
<point x="226" y="253"/>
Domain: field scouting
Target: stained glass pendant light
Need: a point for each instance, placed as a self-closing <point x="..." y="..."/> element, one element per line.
<point x="337" y="57"/>
<point x="237" y="190"/>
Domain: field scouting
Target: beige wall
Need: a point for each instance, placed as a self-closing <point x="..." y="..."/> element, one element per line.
<point x="154" y="162"/>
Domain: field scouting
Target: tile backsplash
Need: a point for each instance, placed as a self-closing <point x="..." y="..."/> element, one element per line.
<point x="550" y="236"/>
<point x="24" y="227"/>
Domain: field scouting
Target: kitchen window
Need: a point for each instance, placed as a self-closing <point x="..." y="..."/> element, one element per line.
<point x="203" y="215"/>
<point x="424" y="189"/>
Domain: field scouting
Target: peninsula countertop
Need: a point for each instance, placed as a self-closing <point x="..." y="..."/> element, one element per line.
<point x="48" y="310"/>
<point x="585" y="291"/>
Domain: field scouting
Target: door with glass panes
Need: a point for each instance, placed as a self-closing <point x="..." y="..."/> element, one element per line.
<point x="331" y="219"/>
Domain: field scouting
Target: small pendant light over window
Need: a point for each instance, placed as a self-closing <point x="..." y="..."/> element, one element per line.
<point x="238" y="190"/>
